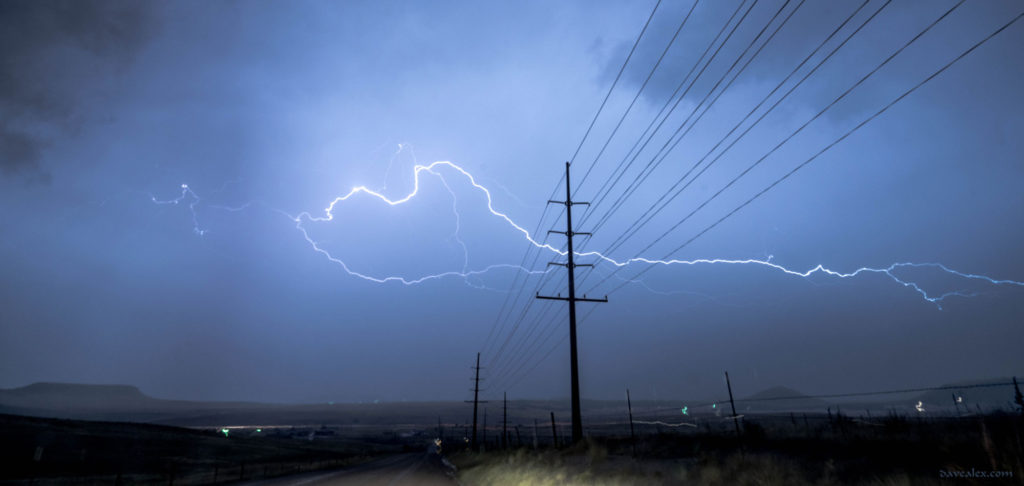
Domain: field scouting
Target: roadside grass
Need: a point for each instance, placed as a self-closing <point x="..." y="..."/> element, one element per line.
<point x="893" y="451"/>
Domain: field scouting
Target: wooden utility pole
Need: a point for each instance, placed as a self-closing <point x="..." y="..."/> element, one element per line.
<point x="504" y="421"/>
<point x="1018" y="398"/>
<point x="476" y="398"/>
<point x="632" y="435"/>
<point x="735" y="419"/>
<point x="570" y="265"/>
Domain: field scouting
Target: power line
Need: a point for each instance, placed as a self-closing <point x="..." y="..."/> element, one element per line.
<point x="639" y="92"/>
<point x="515" y="349"/>
<point x="511" y="369"/>
<point x="617" y="77"/>
<point x="621" y="119"/>
<point x="843" y="137"/>
<point x="680" y="86"/>
<point x="517" y="379"/>
<point x="498" y="319"/>
<point x="847" y="395"/>
<point x="647" y="216"/>
<point x="522" y="316"/>
<point x="655" y="161"/>
<point x="634" y="229"/>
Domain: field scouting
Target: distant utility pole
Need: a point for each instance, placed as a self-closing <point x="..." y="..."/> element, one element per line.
<point x="577" y="421"/>
<point x="735" y="419"/>
<point x="504" y="422"/>
<point x="632" y="435"/>
<point x="476" y="397"/>
<point x="1017" y="397"/>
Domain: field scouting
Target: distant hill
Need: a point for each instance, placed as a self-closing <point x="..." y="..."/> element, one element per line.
<point x="128" y="404"/>
<point x="64" y="395"/>
<point x="104" y="402"/>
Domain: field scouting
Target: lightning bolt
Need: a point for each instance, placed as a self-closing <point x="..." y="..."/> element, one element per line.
<point x="301" y="220"/>
<point x="186" y="193"/>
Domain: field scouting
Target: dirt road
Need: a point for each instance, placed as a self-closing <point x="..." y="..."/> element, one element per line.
<point x="416" y="468"/>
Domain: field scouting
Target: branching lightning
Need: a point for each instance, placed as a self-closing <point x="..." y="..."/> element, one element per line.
<point x="302" y="220"/>
<point x="186" y="193"/>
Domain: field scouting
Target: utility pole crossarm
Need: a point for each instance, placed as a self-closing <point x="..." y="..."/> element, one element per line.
<point x="574" y="233"/>
<point x="569" y="203"/>
<point x="561" y="264"/>
<point x="577" y="299"/>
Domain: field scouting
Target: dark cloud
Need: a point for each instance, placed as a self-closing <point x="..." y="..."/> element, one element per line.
<point x="44" y="46"/>
<point x="810" y="24"/>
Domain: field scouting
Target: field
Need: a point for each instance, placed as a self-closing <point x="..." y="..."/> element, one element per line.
<point x="84" y="434"/>
<point x="774" y="450"/>
<point x="55" y="451"/>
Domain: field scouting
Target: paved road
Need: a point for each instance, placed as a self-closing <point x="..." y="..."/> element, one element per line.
<point x="417" y="468"/>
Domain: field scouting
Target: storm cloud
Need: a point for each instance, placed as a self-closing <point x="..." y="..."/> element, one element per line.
<point x="56" y="56"/>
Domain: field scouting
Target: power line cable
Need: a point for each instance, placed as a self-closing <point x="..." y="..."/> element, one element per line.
<point x="617" y="77"/>
<point x="791" y="135"/>
<point x="844" y="395"/>
<point x="647" y="215"/>
<point x="638" y="93"/>
<point x="655" y="161"/>
<point x="840" y="139"/>
<point x="680" y="86"/>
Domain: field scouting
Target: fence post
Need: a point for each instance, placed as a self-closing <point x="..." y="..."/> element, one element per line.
<point x="554" y="432"/>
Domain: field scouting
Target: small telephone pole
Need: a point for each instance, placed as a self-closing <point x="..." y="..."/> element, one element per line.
<point x="476" y="398"/>
<point x="570" y="265"/>
<point x="504" y="421"/>
<point x="1018" y="398"/>
<point x="735" y="419"/>
<point x="632" y="435"/>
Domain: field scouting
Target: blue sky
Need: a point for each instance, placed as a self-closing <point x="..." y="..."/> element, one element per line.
<point x="271" y="109"/>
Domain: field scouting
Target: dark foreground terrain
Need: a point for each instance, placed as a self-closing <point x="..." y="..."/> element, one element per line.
<point x="775" y="451"/>
<point x="771" y="449"/>
<point x="55" y="451"/>
<point x="115" y="434"/>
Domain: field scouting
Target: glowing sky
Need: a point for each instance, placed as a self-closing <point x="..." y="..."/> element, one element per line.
<point x="268" y="112"/>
